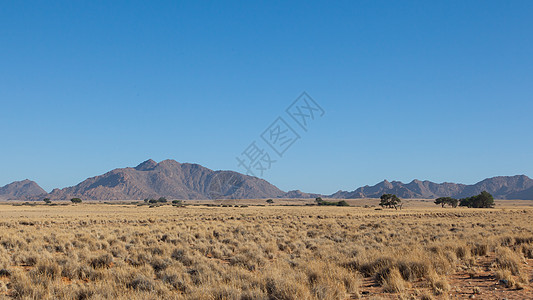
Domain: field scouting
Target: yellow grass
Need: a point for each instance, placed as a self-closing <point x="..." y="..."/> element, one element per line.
<point x="94" y="251"/>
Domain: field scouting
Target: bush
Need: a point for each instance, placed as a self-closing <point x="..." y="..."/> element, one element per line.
<point x="321" y="202"/>
<point x="483" y="200"/>
<point x="75" y="200"/>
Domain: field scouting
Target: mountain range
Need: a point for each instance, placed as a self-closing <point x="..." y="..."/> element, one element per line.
<point x="501" y="187"/>
<point x="175" y="180"/>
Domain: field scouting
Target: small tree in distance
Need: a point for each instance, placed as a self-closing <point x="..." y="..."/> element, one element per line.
<point x="270" y="201"/>
<point x="390" y="201"/>
<point x="447" y="201"/>
<point x="47" y="200"/>
<point x="75" y="200"/>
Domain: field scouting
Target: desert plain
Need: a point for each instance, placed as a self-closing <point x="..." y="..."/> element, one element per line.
<point x="248" y="249"/>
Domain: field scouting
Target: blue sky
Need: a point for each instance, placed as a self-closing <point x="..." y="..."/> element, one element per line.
<point x="436" y="90"/>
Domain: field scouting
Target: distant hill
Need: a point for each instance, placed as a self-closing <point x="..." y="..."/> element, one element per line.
<point x="170" y="179"/>
<point x="175" y="180"/>
<point x="20" y="189"/>
<point x="502" y="187"/>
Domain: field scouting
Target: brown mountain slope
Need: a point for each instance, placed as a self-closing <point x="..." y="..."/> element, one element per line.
<point x="21" y="189"/>
<point x="525" y="194"/>
<point x="169" y="179"/>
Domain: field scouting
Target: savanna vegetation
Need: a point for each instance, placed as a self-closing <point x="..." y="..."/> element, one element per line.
<point x="483" y="200"/>
<point x="95" y="251"/>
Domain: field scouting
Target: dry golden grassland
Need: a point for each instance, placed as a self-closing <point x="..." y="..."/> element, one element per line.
<point x="98" y="251"/>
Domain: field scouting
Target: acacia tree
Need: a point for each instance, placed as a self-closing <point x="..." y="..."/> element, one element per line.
<point x="487" y="200"/>
<point x="483" y="200"/>
<point x="447" y="200"/>
<point x="390" y="201"/>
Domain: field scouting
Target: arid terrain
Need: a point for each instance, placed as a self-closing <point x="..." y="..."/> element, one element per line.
<point x="127" y="251"/>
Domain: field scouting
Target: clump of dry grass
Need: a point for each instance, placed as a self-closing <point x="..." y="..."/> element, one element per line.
<point x="438" y="283"/>
<point x="508" y="269"/>
<point x="527" y="250"/>
<point x="281" y="286"/>
<point x="463" y="252"/>
<point x="46" y="268"/>
<point x="412" y="270"/>
<point x="141" y="283"/>
<point x="329" y="281"/>
<point x="505" y="277"/>
<point x="392" y="281"/>
<point x="506" y="259"/>
<point x="479" y="249"/>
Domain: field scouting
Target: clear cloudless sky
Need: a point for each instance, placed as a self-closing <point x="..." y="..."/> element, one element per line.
<point x="432" y="90"/>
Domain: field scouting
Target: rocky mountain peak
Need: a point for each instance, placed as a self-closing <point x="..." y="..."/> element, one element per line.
<point x="146" y="165"/>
